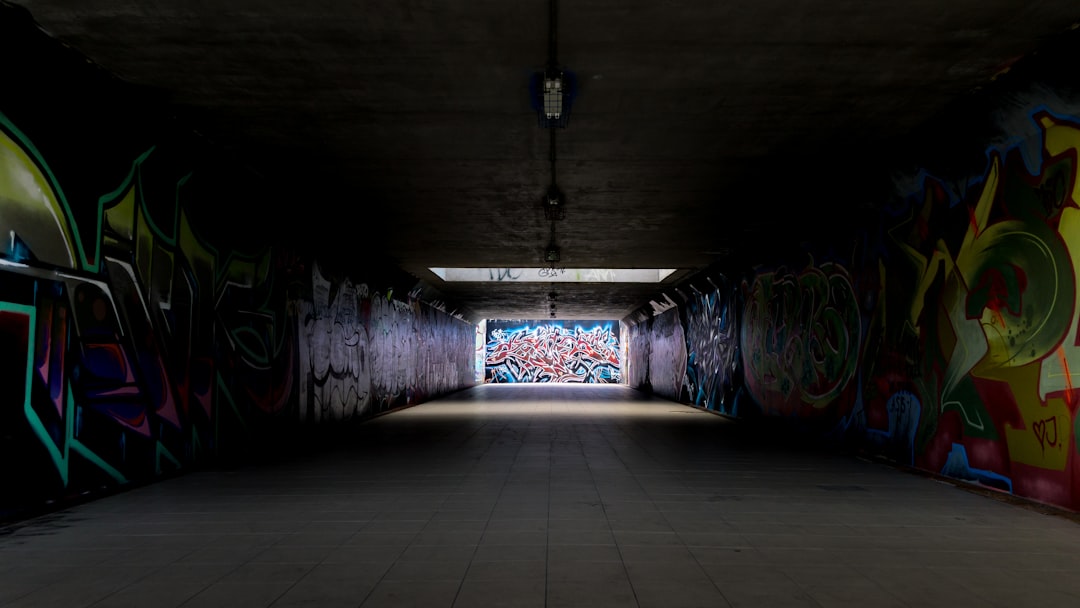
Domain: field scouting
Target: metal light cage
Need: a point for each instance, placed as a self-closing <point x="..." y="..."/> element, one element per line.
<point x="552" y="93"/>
<point x="553" y="203"/>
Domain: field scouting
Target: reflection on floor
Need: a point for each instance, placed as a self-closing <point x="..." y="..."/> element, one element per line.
<point x="541" y="495"/>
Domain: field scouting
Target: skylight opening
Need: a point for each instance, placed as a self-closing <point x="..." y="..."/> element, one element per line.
<point x="553" y="275"/>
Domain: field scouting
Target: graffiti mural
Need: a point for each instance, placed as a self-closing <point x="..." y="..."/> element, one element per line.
<point x="363" y="352"/>
<point x="638" y="351"/>
<point x="800" y="338"/>
<point x="667" y="355"/>
<point x="624" y="341"/>
<point x="481" y="342"/>
<point x="656" y="354"/>
<point x="115" y="319"/>
<point x="568" y="351"/>
<point x="712" y="345"/>
<point x="143" y="347"/>
<point x="945" y="333"/>
<point x="335" y="358"/>
<point x="689" y="351"/>
<point x="983" y="353"/>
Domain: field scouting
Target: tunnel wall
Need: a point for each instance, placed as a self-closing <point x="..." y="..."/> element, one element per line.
<point x="144" y="334"/>
<point x="362" y="352"/>
<point x="945" y="334"/>
<point x="686" y="348"/>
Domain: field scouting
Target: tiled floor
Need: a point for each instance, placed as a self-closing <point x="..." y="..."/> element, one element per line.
<point x="586" y="496"/>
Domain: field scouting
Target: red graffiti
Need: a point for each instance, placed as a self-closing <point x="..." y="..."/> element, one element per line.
<point x="550" y="353"/>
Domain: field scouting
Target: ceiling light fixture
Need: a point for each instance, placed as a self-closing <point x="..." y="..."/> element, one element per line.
<point x="552" y="90"/>
<point x="553" y="203"/>
<point x="553" y="96"/>
<point x="552" y="254"/>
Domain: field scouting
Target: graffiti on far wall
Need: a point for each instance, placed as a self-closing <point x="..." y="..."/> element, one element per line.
<point x="567" y="351"/>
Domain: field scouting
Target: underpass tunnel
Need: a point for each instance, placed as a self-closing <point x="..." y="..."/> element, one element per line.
<point x="216" y="393"/>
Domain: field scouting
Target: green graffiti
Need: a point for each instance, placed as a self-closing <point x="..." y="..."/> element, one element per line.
<point x="114" y="198"/>
<point x="801" y="337"/>
<point x="160" y="453"/>
<point x="251" y="343"/>
<point x="1076" y="434"/>
<point x="89" y="261"/>
<point x="225" y="395"/>
<point x="965" y="400"/>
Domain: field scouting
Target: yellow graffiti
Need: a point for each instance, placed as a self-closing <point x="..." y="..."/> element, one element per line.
<point x="1035" y="365"/>
<point x="30" y="208"/>
<point x="1006" y="308"/>
<point x="1045" y="439"/>
<point x="155" y="252"/>
<point x="961" y="338"/>
<point x="1056" y="375"/>
<point x="120" y="218"/>
<point x="1034" y="332"/>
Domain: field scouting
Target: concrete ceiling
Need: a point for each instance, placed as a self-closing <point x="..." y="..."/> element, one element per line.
<point x="403" y="128"/>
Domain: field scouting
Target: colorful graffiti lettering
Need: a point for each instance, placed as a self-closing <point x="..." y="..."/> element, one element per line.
<point x="121" y="368"/>
<point x="993" y="311"/>
<point x="481" y="342"/>
<point x="712" y="346"/>
<point x="800" y="338"/>
<point x="552" y="353"/>
<point x="148" y="348"/>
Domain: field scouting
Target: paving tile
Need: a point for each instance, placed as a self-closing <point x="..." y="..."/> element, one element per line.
<point x="232" y="594"/>
<point x="593" y="498"/>
<point x="412" y="594"/>
<point x="500" y="570"/>
<point x="501" y="593"/>
<point x="696" y="592"/>
<point x="166" y="594"/>
<point x="579" y="593"/>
